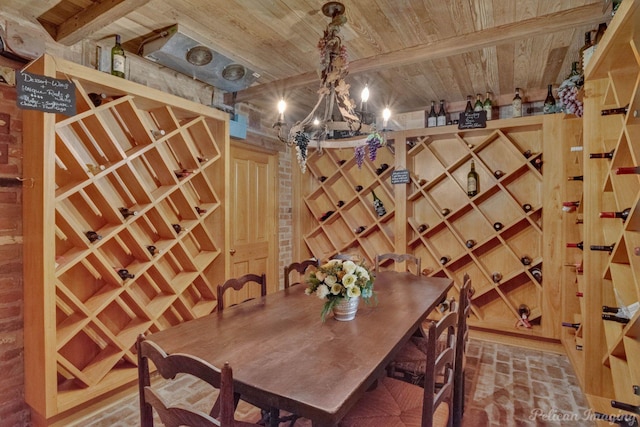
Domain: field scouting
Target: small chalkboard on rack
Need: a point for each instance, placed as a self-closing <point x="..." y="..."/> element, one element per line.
<point x="472" y="120"/>
<point x="400" y="177"/>
<point x="42" y="93"/>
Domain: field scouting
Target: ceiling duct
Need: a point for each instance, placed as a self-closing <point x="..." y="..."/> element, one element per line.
<point x="180" y="52"/>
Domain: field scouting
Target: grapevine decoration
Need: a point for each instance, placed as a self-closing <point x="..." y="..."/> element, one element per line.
<point x="302" y="142"/>
<point x="359" y="155"/>
<point x="374" y="141"/>
<point x="568" y="94"/>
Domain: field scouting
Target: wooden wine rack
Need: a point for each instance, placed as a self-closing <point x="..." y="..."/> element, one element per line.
<point x="608" y="365"/>
<point x="82" y="318"/>
<point x="438" y="160"/>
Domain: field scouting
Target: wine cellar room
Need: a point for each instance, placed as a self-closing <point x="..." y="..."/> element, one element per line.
<point x="151" y="150"/>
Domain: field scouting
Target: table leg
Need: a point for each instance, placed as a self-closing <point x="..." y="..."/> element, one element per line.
<point x="274" y="416"/>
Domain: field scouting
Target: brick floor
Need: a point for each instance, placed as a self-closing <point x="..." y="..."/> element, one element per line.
<point x="506" y="386"/>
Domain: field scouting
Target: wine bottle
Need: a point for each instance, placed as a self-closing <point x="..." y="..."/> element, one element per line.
<point x="360" y="229"/>
<point x="95" y="169"/>
<point x="579" y="294"/>
<point x="496" y="277"/>
<point x="326" y="215"/>
<point x="445" y="211"/>
<point x="537" y="274"/>
<point x="549" y="105"/>
<point x="487" y="106"/>
<point x="570" y="206"/>
<point x="322" y="178"/>
<point x="472" y="181"/>
<point x="497" y="226"/>
<point x="516" y="104"/>
<point x="117" y="59"/>
<point x="478" y="106"/>
<point x="202" y="159"/>
<point x="422" y="182"/>
<point x="422" y="228"/>
<point x="383" y="167"/>
<point x="525" y="260"/>
<point x="183" y="173"/>
<point x="157" y="133"/>
<point x="614" y="318"/>
<point x="470" y="243"/>
<point x="92" y="236"/>
<point x="628" y="170"/>
<point x="200" y="211"/>
<point x="127" y="213"/>
<point x="575" y="178"/>
<point x="445" y="259"/>
<point x="97" y="98"/>
<point x="575" y="326"/>
<point x="602" y="27"/>
<point x="469" y="107"/>
<point x="615" y="4"/>
<point x="579" y="221"/>
<point x="378" y="205"/>
<point x="152" y="249"/>
<point x="622" y="214"/>
<point x="579" y="245"/>
<point x="537" y="163"/>
<point x="576" y="148"/>
<point x="432" y="118"/>
<point x="340" y="203"/>
<point x="621" y="420"/>
<point x="358" y="188"/>
<point x="527" y="154"/>
<point x="124" y="274"/>
<point x="608" y="155"/>
<point x="584" y="55"/>
<point x="177" y="228"/>
<point x="635" y="409"/>
<point x="612" y="111"/>
<point x="498" y="174"/>
<point x="442" y="115"/>
<point x="527" y="207"/>
<point x="607" y="309"/>
<point x="602" y="248"/>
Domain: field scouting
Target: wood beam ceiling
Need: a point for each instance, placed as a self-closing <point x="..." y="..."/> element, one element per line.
<point x="95" y="17"/>
<point x="590" y="14"/>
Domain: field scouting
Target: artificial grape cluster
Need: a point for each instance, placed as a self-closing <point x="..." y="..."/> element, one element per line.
<point x="568" y="93"/>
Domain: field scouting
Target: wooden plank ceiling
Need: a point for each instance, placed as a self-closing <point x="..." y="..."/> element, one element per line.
<point x="409" y="52"/>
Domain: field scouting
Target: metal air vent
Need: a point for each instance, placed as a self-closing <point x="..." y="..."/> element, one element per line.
<point x="181" y="52"/>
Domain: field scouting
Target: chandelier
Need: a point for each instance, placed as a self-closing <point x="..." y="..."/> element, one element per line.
<point x="321" y="124"/>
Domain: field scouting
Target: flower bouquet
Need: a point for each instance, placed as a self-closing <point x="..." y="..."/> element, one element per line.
<point x="339" y="280"/>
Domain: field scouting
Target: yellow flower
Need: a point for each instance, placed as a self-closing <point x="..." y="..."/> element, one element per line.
<point x="353" y="291"/>
<point x="330" y="280"/>
<point x="336" y="289"/>
<point x="349" y="280"/>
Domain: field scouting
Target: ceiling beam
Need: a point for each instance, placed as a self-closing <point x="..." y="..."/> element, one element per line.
<point x="95" y="17"/>
<point x="546" y="24"/>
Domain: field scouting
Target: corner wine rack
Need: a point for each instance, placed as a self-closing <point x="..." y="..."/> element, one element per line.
<point x="130" y="236"/>
<point x="433" y="218"/>
<point x="608" y="365"/>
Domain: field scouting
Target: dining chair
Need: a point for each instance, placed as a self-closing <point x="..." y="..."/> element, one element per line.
<point x="397" y="402"/>
<point x="408" y="259"/>
<point x="462" y="337"/>
<point x="347" y="257"/>
<point x="300" y="268"/>
<point x="239" y="283"/>
<point x="169" y="366"/>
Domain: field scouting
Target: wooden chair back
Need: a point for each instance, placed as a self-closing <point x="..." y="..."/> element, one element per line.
<point x="464" y="307"/>
<point x="239" y="283"/>
<point x="412" y="262"/>
<point x="440" y="364"/>
<point x="168" y="366"/>
<point x="300" y="268"/>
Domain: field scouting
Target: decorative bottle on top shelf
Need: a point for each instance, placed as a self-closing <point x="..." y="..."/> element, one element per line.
<point x="442" y="115"/>
<point x="549" y="102"/>
<point x="469" y="107"/>
<point x="487" y="106"/>
<point x="432" y="118"/>
<point x="622" y="214"/>
<point x="117" y="59"/>
<point x="516" y="104"/>
<point x="472" y="181"/>
<point x="378" y="205"/>
<point x="478" y="106"/>
<point x="92" y="236"/>
<point x="611" y="111"/>
<point x="602" y="248"/>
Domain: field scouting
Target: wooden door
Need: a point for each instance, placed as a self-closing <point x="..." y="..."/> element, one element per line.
<point x="252" y="219"/>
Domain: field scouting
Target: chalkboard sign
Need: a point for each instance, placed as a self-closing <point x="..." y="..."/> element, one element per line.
<point x="473" y="120"/>
<point x="400" y="177"/>
<point x="46" y="94"/>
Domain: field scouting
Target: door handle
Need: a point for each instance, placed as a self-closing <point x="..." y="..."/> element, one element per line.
<point x="232" y="251"/>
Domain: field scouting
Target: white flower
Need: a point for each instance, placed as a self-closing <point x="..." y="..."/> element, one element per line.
<point x="349" y="280"/>
<point x="336" y="289"/>
<point x="330" y="280"/>
<point x="331" y="263"/>
<point x="353" y="291"/>
<point x="322" y="291"/>
<point x="349" y="267"/>
<point x="362" y="272"/>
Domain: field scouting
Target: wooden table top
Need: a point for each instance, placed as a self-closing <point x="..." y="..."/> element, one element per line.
<point x="283" y="356"/>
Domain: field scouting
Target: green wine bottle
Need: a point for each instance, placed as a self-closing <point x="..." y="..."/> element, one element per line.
<point x="472" y="181"/>
<point x="117" y="59"/>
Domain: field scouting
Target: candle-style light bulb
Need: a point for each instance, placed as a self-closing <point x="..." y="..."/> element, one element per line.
<point x="316" y="122"/>
<point x="282" y="105"/>
<point x="364" y="97"/>
<point x="386" y="114"/>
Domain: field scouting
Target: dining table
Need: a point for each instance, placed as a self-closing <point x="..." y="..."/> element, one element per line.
<point x="285" y="357"/>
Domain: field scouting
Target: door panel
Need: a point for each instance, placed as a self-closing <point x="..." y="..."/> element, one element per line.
<point x="253" y="220"/>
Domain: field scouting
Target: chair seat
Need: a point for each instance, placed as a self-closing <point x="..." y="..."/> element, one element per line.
<point x="393" y="403"/>
<point x="410" y="363"/>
